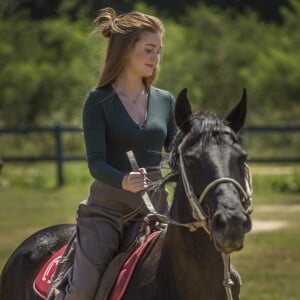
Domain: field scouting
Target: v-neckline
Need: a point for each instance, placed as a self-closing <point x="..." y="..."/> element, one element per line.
<point x="140" y="126"/>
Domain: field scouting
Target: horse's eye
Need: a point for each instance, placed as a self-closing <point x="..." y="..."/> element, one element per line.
<point x="243" y="157"/>
<point x="189" y="161"/>
<point x="242" y="160"/>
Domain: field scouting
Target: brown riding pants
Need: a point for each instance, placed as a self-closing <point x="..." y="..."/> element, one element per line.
<point x="101" y="220"/>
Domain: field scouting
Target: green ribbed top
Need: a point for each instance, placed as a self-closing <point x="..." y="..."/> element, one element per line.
<point x="109" y="132"/>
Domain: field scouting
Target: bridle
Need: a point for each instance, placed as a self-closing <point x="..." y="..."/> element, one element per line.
<point x="202" y="220"/>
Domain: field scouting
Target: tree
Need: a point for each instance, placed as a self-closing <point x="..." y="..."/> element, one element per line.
<point x="216" y="54"/>
<point x="46" y="69"/>
<point x="267" y="10"/>
<point x="48" y="66"/>
<point x="275" y="75"/>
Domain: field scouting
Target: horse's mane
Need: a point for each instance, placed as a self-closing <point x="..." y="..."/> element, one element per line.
<point x="202" y="126"/>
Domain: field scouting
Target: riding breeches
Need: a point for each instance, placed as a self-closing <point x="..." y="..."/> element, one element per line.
<point x="98" y="236"/>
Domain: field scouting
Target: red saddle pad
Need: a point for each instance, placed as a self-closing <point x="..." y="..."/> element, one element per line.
<point x="43" y="280"/>
<point x="126" y="272"/>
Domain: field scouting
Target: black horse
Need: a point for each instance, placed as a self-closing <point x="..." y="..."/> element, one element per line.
<point x="208" y="219"/>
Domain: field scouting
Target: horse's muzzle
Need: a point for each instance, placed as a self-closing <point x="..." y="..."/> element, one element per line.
<point x="228" y="230"/>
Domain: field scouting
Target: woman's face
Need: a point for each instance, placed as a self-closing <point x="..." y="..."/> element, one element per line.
<point x="145" y="54"/>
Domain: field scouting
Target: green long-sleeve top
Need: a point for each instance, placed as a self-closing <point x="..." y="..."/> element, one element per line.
<point x="109" y="132"/>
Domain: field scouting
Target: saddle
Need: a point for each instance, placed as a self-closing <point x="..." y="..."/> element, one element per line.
<point x="115" y="279"/>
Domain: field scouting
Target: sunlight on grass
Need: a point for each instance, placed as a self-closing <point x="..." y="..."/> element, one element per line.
<point x="269" y="263"/>
<point x="24" y="211"/>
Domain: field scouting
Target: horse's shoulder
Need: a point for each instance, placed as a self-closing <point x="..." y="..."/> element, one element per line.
<point x="149" y="264"/>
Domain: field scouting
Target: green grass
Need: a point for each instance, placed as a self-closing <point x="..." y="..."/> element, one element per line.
<point x="26" y="210"/>
<point x="269" y="263"/>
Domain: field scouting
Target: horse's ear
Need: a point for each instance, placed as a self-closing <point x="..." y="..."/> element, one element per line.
<point x="183" y="111"/>
<point x="237" y="117"/>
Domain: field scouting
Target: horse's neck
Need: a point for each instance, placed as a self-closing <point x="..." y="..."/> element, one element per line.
<point x="190" y="260"/>
<point x="191" y="264"/>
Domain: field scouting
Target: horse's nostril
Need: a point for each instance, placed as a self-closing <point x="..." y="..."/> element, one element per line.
<point x="247" y="224"/>
<point x="219" y="222"/>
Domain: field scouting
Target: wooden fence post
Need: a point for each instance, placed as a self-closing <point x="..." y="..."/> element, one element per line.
<point x="1" y="164"/>
<point x="59" y="154"/>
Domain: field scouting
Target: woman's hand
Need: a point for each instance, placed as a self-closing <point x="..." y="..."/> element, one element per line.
<point x="135" y="181"/>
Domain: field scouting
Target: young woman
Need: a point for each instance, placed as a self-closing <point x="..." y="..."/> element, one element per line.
<point x="124" y="112"/>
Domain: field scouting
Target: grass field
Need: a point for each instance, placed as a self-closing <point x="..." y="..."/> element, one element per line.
<point x="269" y="263"/>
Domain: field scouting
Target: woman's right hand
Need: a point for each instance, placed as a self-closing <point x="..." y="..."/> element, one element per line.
<point x="135" y="181"/>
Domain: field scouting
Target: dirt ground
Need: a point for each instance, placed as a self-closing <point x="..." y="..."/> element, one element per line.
<point x="259" y="225"/>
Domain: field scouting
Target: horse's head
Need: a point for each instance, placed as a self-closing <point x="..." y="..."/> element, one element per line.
<point x="213" y="174"/>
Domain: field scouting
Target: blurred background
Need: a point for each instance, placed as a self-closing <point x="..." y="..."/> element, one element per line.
<point x="49" y="60"/>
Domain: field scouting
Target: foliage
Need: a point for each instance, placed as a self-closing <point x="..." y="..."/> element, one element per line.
<point x="218" y="53"/>
<point x="43" y="175"/>
<point x="275" y="73"/>
<point x="48" y="66"/>
<point x="288" y="183"/>
<point x="268" y="10"/>
<point x="46" y="70"/>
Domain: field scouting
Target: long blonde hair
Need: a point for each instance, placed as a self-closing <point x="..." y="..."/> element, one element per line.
<point x="123" y="32"/>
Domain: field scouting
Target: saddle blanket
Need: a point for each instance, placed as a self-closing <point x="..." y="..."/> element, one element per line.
<point x="43" y="280"/>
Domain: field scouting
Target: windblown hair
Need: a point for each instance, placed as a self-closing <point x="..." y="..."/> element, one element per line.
<point x="122" y="32"/>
